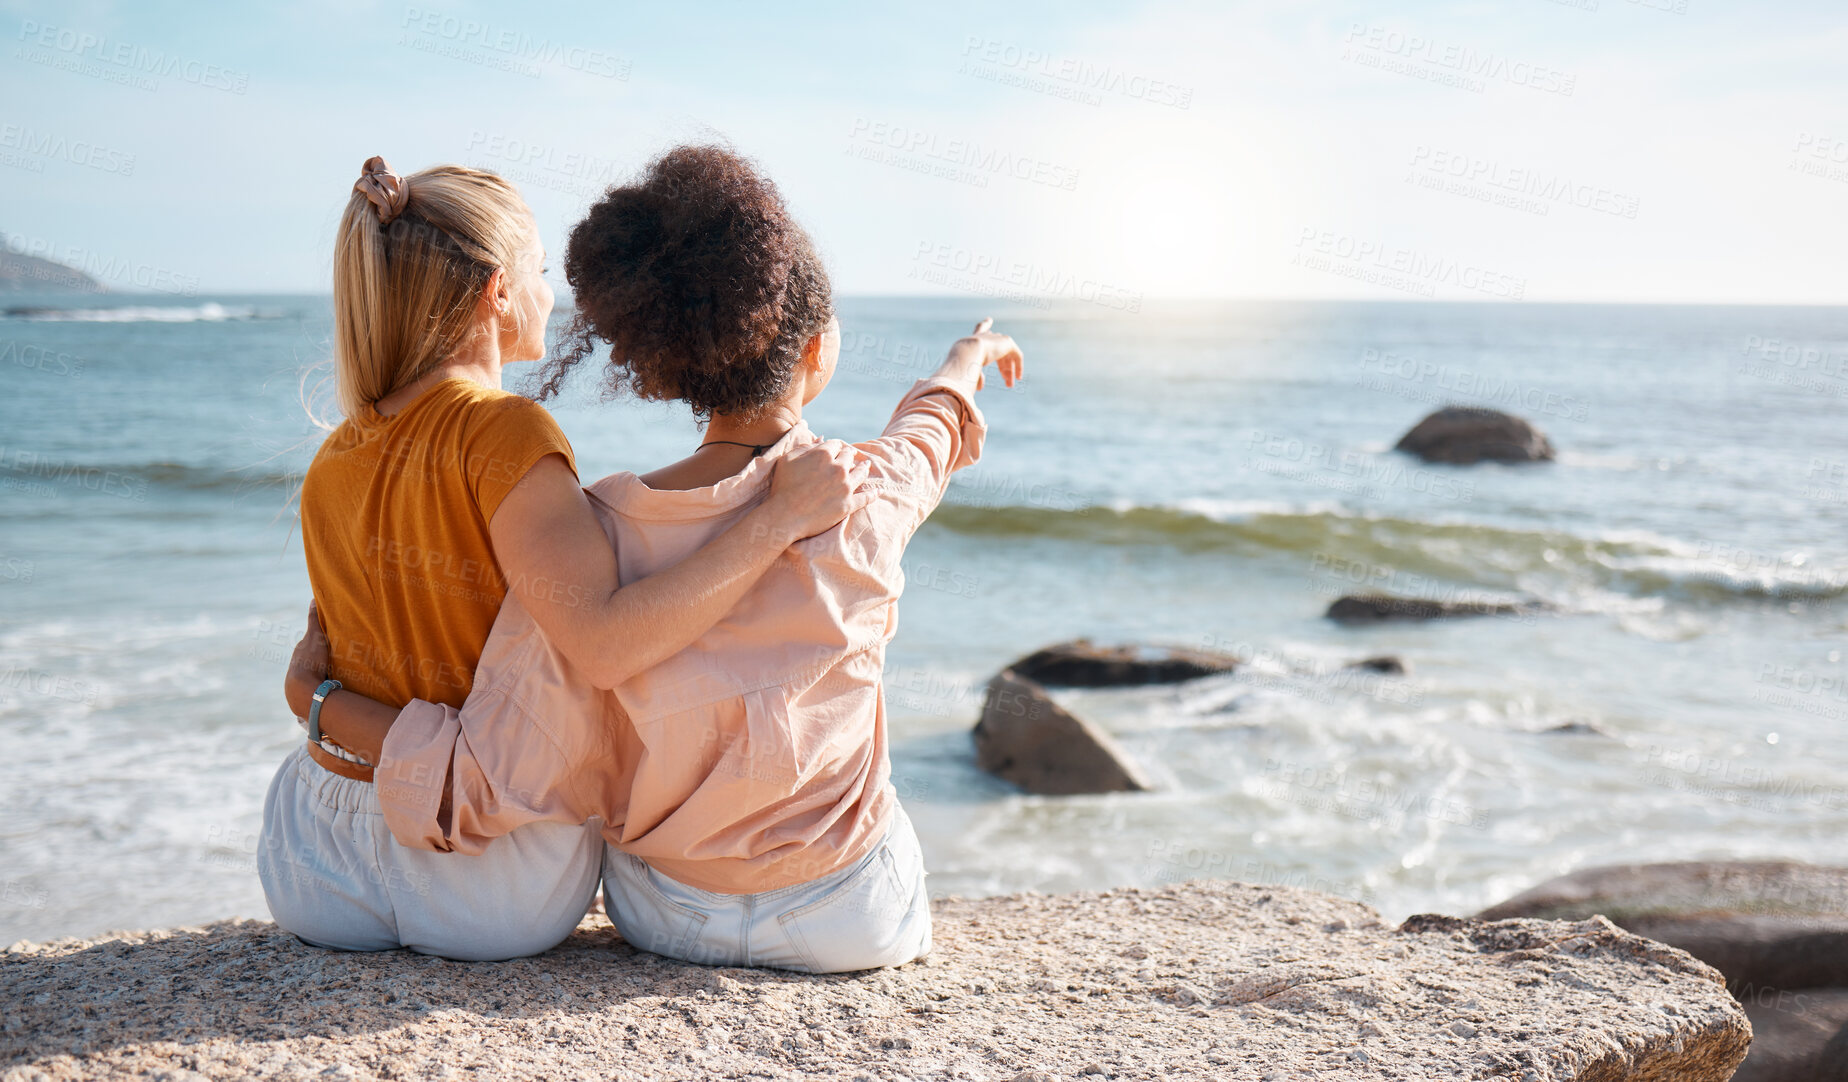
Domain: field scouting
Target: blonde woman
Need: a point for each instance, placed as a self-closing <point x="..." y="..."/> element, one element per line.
<point x="436" y="498"/>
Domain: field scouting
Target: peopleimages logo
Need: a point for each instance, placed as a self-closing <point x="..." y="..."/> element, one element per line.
<point x="57" y="147"/>
<point x="129" y="57"/>
<point x="586" y="172"/>
<point x="1474" y="66"/>
<point x="1446" y="383"/>
<point x="1081" y="78"/>
<point x="1420" y="272"/>
<point x="981" y="161"/>
<point x="27" y="355"/>
<point x="985" y="272"/>
<point x="19" y="469"/>
<point x="523" y="52"/>
<point x="107" y="269"/>
<point x="1545" y="189"/>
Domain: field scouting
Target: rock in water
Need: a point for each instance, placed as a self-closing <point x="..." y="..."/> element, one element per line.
<point x="1026" y="738"/>
<point x="1767" y="924"/>
<point x="1834" y="1059"/>
<point x="1778" y="930"/>
<point x="1576" y="728"/>
<point x="1379" y="608"/>
<point x="1387" y="664"/>
<point x="1198" y="980"/>
<point x="1083" y="664"/>
<point x="1799" y="1036"/>
<point x="1465" y="434"/>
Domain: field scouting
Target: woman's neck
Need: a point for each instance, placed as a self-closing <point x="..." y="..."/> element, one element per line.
<point x="759" y="430"/>
<point x="720" y="455"/>
<point x="478" y="361"/>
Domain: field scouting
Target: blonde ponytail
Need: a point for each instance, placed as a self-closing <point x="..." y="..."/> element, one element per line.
<point x="407" y="278"/>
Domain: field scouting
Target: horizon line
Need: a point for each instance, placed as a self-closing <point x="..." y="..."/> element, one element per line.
<point x="10" y="299"/>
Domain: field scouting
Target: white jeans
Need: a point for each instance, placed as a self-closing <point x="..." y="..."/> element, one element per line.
<point x="873" y="913"/>
<point x="335" y="876"/>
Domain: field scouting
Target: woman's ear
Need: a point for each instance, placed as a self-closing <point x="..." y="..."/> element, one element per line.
<point x="815" y="374"/>
<point x="494" y="292"/>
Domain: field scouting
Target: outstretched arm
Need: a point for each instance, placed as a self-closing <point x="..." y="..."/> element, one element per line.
<point x="937" y="428"/>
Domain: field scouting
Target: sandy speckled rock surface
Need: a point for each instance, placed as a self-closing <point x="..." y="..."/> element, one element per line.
<point x="1218" y="980"/>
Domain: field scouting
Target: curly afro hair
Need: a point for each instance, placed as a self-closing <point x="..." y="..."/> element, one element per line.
<point x="703" y="286"/>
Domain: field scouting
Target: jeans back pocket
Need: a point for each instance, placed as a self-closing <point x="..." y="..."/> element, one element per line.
<point x="858" y="923"/>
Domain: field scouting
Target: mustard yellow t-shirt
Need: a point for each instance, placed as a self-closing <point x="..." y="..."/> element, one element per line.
<point x="395" y="514"/>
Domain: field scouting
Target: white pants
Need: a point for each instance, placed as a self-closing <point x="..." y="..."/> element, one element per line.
<point x="335" y="876"/>
<point x="873" y="913"/>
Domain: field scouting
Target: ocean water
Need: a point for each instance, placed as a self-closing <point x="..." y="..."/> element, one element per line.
<point x="1201" y="474"/>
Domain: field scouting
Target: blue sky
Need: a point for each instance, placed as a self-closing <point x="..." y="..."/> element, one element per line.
<point x="1603" y="150"/>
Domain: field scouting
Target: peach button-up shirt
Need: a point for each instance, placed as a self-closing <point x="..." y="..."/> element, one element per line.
<point x="752" y="760"/>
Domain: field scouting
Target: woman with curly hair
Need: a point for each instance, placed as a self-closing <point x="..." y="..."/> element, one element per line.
<point x="742" y="784"/>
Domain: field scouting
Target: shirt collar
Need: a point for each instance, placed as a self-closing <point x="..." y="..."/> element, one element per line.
<point x="625" y="493"/>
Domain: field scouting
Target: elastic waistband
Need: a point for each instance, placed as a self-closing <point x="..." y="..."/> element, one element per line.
<point x="329" y="789"/>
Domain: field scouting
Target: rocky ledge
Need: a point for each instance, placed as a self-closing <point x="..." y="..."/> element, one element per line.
<point x="1777" y="930"/>
<point x="1202" y="980"/>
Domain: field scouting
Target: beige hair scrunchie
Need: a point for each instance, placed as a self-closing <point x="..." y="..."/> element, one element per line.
<point x="385" y="190"/>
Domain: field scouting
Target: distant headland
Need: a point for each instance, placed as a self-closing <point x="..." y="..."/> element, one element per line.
<point x="21" y="273"/>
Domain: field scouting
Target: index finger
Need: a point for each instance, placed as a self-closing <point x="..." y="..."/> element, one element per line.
<point x="984" y="325"/>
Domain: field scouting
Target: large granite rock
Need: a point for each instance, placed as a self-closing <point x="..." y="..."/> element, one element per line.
<point x="1462" y="435"/>
<point x="1202" y="980"/>
<point x="1834" y="1059"/>
<point x="1379" y="608"/>
<point x="1797" y="1036"/>
<point x="1026" y="738"/>
<point x="1778" y="930"/>
<point x="1765" y="924"/>
<point x="1084" y="664"/>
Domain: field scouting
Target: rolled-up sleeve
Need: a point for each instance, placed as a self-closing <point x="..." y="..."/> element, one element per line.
<point x="524" y="748"/>
<point x="936" y="430"/>
<point x="497" y="769"/>
<point x="413" y="773"/>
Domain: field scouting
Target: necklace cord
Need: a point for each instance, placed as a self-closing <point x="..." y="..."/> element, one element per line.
<point x="756" y="449"/>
